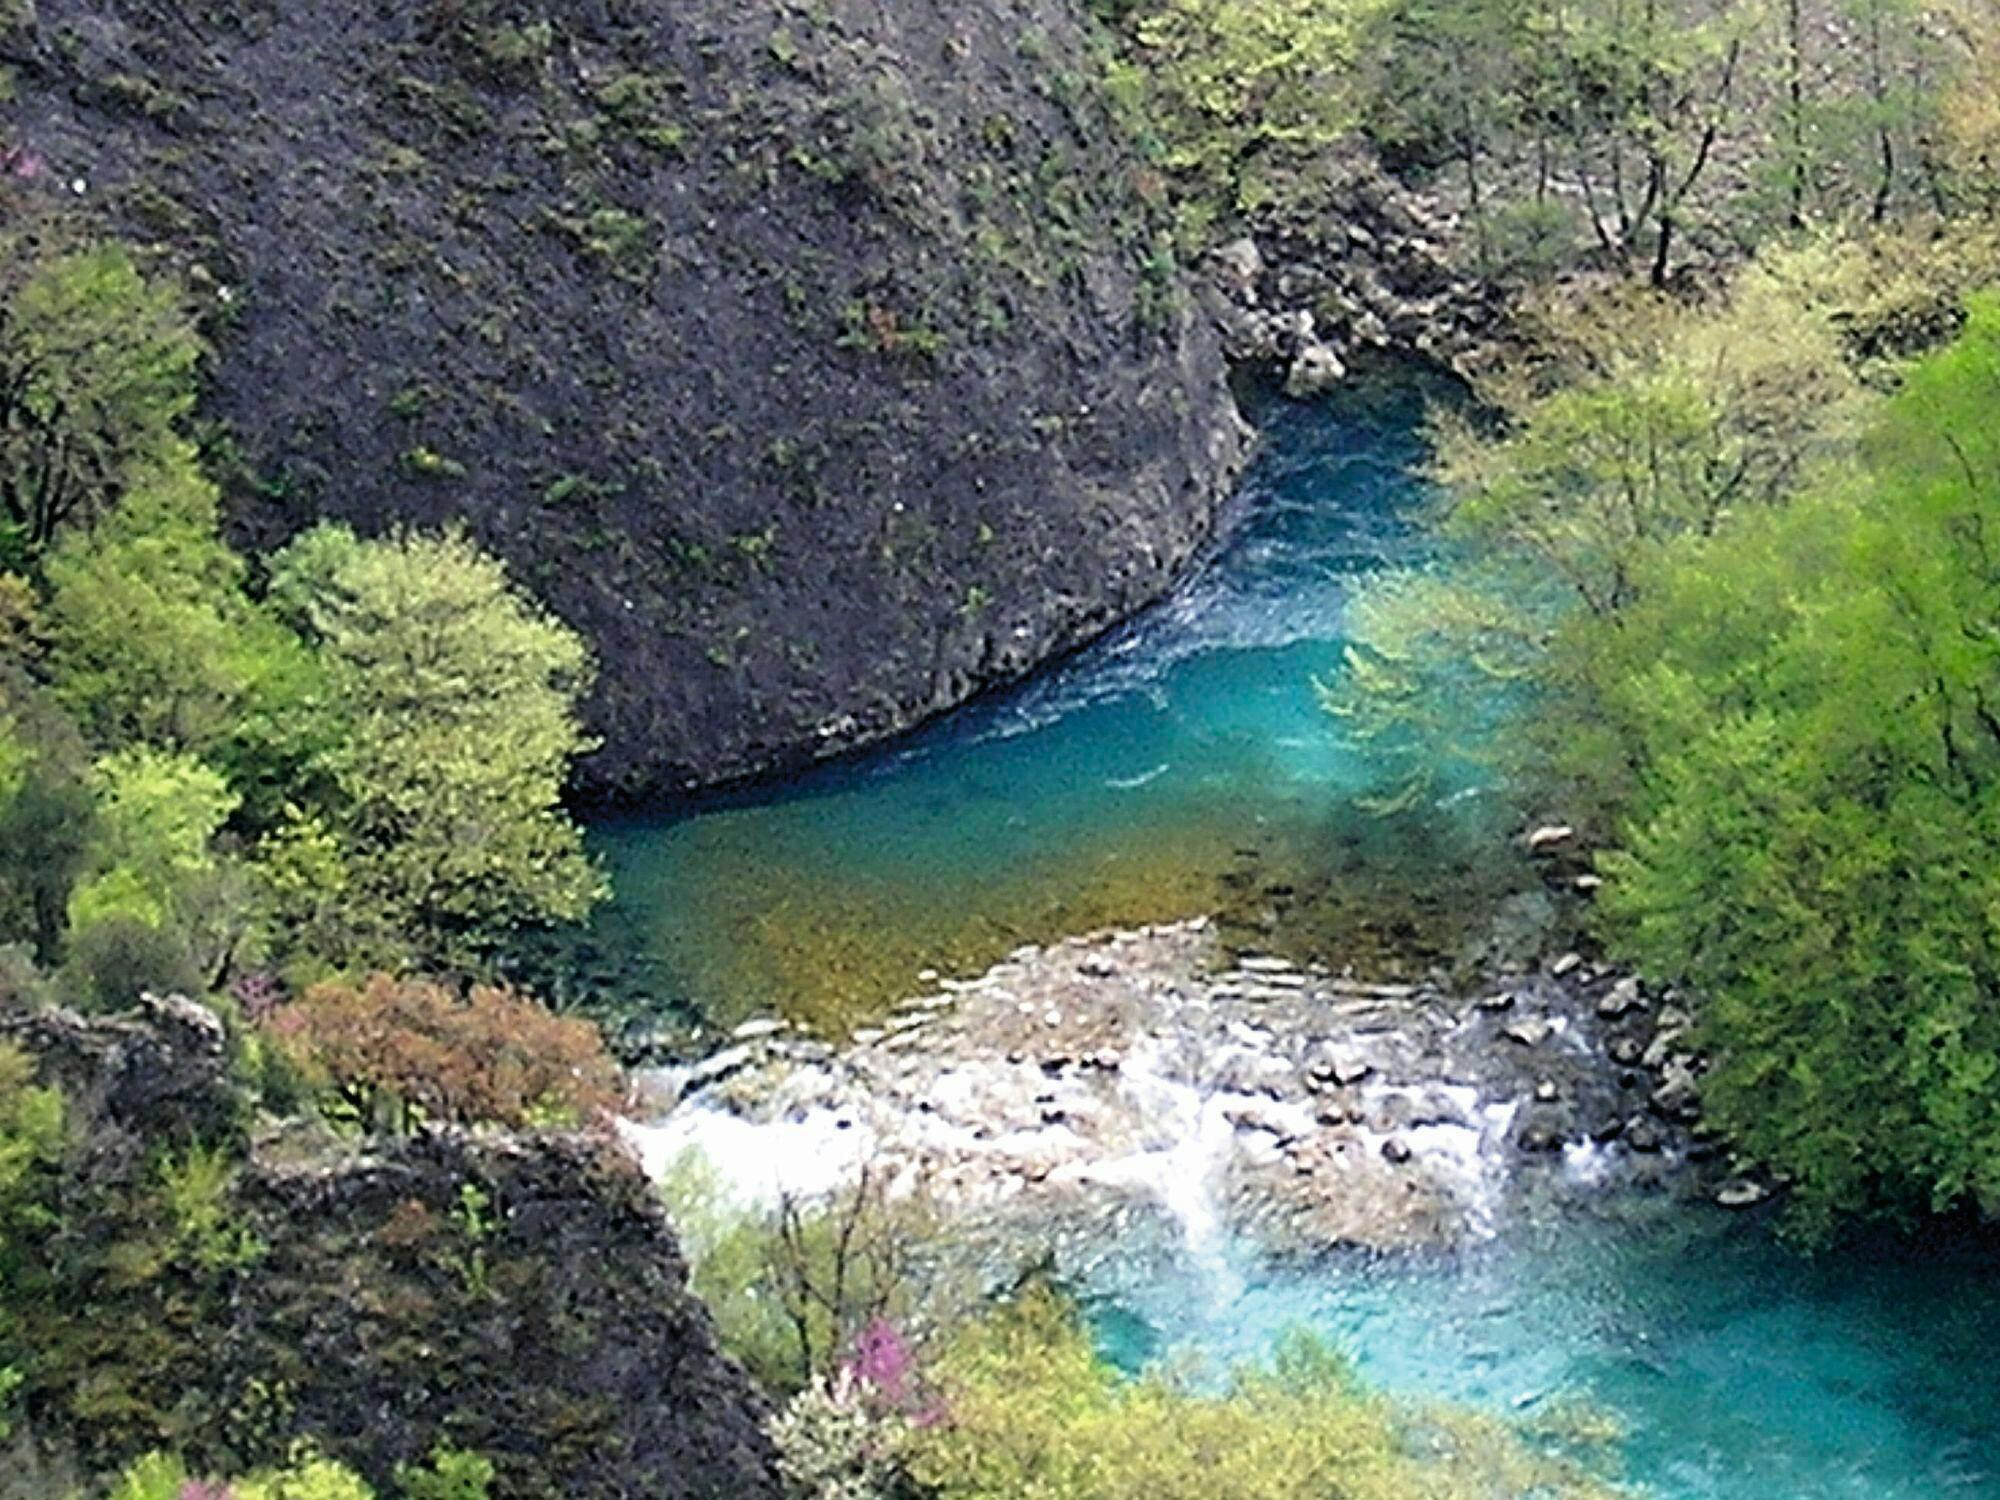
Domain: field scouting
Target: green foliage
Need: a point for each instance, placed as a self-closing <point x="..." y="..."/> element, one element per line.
<point x="1816" y="844"/>
<point x="153" y="639"/>
<point x="46" y="816"/>
<point x="451" y="1474"/>
<point x="1643" y="423"/>
<point x="157" y="1476"/>
<point x="457" y="724"/>
<point x="791" y="1287"/>
<point x="194" y="1191"/>
<point x="31" y="1145"/>
<point x="157" y="907"/>
<point x="161" y="1476"/>
<point x="1235" y="92"/>
<point x="1035" y="1414"/>
<point x="96" y="372"/>
<point x="157" y="816"/>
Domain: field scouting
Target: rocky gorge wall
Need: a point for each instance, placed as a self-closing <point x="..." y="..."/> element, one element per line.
<point x="520" y="1296"/>
<point x="822" y="363"/>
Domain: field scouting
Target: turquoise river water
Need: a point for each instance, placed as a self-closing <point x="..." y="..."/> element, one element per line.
<point x="1184" y="765"/>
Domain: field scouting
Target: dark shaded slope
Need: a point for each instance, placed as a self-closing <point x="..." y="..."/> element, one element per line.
<point x="822" y="362"/>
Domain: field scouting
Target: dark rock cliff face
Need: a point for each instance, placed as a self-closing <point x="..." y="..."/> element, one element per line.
<point x="822" y="362"/>
<point x="522" y="1296"/>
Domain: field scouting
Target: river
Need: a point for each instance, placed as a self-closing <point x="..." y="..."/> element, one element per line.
<point x="1184" y="766"/>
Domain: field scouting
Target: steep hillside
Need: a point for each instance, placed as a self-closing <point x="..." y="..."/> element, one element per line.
<point x="521" y="1295"/>
<point x="823" y="362"/>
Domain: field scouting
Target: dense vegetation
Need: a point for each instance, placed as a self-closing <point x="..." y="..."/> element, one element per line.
<point x="1716" y="555"/>
<point x="1733" y="576"/>
<point x="1637" y="133"/>
<point x="353" y="759"/>
<point x="450" y="1476"/>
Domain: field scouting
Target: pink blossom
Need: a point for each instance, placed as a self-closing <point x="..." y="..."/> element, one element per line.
<point x="882" y="1358"/>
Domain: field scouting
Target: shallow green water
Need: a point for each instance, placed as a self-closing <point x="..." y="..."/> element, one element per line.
<point x="1184" y="766"/>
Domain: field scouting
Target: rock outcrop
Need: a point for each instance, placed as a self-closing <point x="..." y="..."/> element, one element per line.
<point x="1360" y="268"/>
<point x="822" y="363"/>
<point x="522" y="1296"/>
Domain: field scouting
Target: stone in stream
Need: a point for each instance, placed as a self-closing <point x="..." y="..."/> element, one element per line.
<point x="1315" y="370"/>
<point x="1503" y="1000"/>
<point x="1623" y="998"/>
<point x="1678" y="1097"/>
<point x="1540" y="1136"/>
<point x="1661" y="1048"/>
<point x="1396" y="1150"/>
<point x="1341" y="1068"/>
<point x="1569" y="963"/>
<point x="1625" y="1051"/>
<point x="1644" y="1136"/>
<point x="1551" y="836"/>
<point x="1741" y="1193"/>
<point x="1263" y="964"/>
<point x="1529" y="1033"/>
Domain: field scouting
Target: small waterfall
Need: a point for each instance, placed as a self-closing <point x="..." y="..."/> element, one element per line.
<point x="1185" y="1173"/>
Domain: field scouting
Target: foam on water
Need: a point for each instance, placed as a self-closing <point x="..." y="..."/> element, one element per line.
<point x="1740" y="1371"/>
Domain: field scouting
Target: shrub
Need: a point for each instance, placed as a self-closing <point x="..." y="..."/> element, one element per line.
<point x="835" y="1444"/>
<point x="795" y="1288"/>
<point x="1815" y="848"/>
<point x="1031" y="1411"/>
<point x="395" y="1050"/>
<point x="96" y="372"/>
<point x="160" y="1476"/>
<point x="451" y="1474"/>
<point x="153" y="639"/>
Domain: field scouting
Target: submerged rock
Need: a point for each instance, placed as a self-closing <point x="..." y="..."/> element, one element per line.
<point x="1141" y="1072"/>
<point x="1741" y="1193"/>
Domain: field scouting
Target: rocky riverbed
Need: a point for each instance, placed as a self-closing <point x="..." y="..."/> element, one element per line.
<point x="1155" y="1074"/>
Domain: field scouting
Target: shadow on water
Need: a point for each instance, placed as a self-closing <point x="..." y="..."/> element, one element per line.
<point x="1180" y="766"/>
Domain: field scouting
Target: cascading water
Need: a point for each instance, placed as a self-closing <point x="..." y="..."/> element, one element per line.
<point x="1124" y="787"/>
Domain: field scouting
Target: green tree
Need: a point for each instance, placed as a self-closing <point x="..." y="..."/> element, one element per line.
<point x="1236" y="94"/>
<point x="45" y="805"/>
<point x="1644" y="422"/>
<point x="153" y="639"/>
<point x="158" y="906"/>
<point x="1034" y="1411"/>
<point x="96" y="372"/>
<point x="455" y="724"/>
<point x="1816" y="845"/>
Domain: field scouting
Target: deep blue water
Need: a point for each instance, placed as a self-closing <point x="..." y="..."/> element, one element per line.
<point x="1185" y="763"/>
